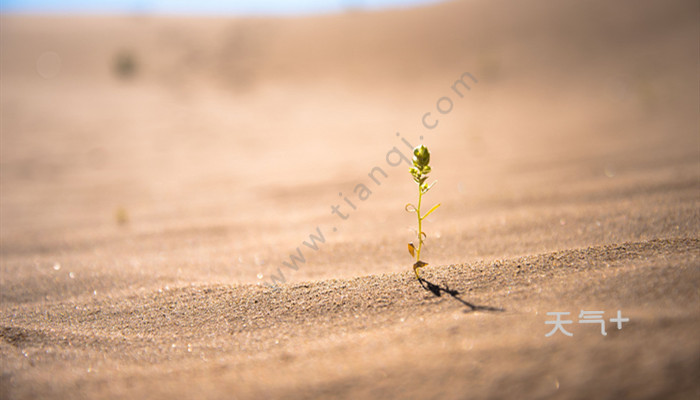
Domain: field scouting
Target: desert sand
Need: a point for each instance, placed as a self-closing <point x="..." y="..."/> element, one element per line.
<point x="157" y="173"/>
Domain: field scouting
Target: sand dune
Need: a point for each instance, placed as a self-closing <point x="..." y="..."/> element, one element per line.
<point x="380" y="335"/>
<point x="157" y="172"/>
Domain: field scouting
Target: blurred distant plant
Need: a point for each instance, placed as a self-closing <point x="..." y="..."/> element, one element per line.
<point x="121" y="216"/>
<point x="125" y="65"/>
<point x="420" y="171"/>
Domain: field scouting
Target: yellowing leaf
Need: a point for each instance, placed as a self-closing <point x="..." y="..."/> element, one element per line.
<point x="431" y="210"/>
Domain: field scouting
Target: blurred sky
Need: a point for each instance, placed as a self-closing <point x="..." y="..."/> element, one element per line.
<point x="206" y="7"/>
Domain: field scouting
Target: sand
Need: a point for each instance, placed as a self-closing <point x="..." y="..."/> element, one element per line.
<point x="158" y="173"/>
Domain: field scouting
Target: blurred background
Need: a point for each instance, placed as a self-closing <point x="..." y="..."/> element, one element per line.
<point x="146" y="143"/>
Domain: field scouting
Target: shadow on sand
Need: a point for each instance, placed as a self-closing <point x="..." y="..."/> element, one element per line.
<point x="438" y="290"/>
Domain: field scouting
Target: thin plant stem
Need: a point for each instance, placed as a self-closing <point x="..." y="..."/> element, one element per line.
<point x="420" y="224"/>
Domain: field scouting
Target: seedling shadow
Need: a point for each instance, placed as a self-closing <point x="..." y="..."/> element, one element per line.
<point x="438" y="290"/>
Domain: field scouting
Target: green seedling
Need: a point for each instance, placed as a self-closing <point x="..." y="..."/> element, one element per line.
<point x="420" y="171"/>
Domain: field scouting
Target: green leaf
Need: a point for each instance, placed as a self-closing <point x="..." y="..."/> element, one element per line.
<point x="431" y="210"/>
<point x="421" y="156"/>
